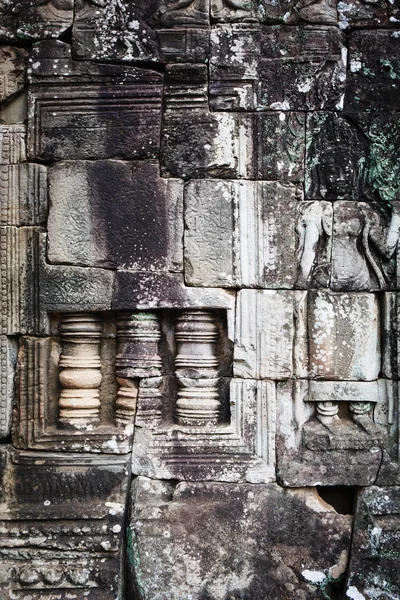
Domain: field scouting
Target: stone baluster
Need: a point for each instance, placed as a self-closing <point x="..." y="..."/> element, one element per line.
<point x="80" y="371"/>
<point x="197" y="371"/>
<point x="138" y="357"/>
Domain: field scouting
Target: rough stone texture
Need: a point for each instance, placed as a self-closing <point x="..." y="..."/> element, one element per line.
<point x="308" y="453"/>
<point x="62" y="534"/>
<point x="209" y="296"/>
<point x="232" y="230"/>
<point x="142" y="232"/>
<point x="223" y="540"/>
<point x="8" y="360"/>
<point x="81" y="98"/>
<point x="373" y="570"/>
<point x="277" y="68"/>
<point x="12" y="71"/>
<point x="264" y="351"/>
<point x="27" y="20"/>
<point x="373" y="74"/>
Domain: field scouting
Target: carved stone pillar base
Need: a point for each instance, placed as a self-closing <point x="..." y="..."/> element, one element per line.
<point x="198" y="402"/>
<point x="327" y="413"/>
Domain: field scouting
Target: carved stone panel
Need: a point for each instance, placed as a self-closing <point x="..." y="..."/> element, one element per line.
<point x="35" y="20"/>
<point x="277" y="68"/>
<point x="346" y="450"/>
<point x="265" y="351"/>
<point x="152" y="31"/>
<point x="241" y="450"/>
<point x="23" y="194"/>
<point x="12" y="71"/>
<point x="8" y="360"/>
<point x="298" y="11"/>
<point x="121" y="106"/>
<point x="233" y="243"/>
<point x="12" y="144"/>
<point x="225" y="145"/>
<point x="144" y="230"/>
<point x="62" y="523"/>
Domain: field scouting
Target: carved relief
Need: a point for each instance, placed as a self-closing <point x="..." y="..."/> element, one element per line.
<point x="196" y="366"/>
<point x="233" y="10"/>
<point x="80" y="374"/>
<point x="13" y="62"/>
<point x="138" y="357"/>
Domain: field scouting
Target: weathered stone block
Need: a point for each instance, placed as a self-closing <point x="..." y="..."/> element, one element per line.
<point x="279" y="142"/>
<point x="8" y="360"/>
<point x="121" y="106"/>
<point x="63" y="533"/>
<point x="143" y="231"/>
<point x="362" y="14"/>
<point x="27" y="20"/>
<point x="343" y="453"/>
<point x="154" y="32"/>
<point x="373" y="569"/>
<point x="232" y="230"/>
<point x="186" y="87"/>
<point x="23" y="194"/>
<point x="373" y="79"/>
<point x="197" y="143"/>
<point x="319" y="11"/>
<point x="343" y="336"/>
<point x="12" y="71"/>
<point x="265" y="334"/>
<point x="12" y="144"/>
<point x="277" y="68"/>
<point x="241" y="450"/>
<point x="203" y="540"/>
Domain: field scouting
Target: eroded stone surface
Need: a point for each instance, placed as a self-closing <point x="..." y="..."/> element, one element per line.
<point x="204" y="540"/>
<point x="143" y="231"/>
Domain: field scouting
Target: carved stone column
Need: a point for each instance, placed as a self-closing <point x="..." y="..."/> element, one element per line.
<point x="138" y="337"/>
<point x="197" y="369"/>
<point x="80" y="370"/>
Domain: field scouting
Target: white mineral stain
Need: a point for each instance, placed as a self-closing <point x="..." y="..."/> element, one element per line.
<point x="314" y="576"/>
<point x="353" y="593"/>
<point x="115" y="508"/>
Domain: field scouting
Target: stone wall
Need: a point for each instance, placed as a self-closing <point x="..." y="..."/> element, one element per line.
<point x="199" y="238"/>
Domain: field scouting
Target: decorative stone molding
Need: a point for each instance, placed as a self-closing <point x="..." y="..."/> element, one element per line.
<point x="80" y="371"/>
<point x="196" y="364"/>
<point x="138" y="356"/>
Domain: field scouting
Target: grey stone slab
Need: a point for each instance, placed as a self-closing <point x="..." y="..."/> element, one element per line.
<point x="373" y="569"/>
<point x="8" y="359"/>
<point x="239" y="450"/>
<point x="374" y="61"/>
<point x="264" y="334"/>
<point x="75" y="506"/>
<point x="343" y="336"/>
<point x="154" y="31"/>
<point x="232" y="232"/>
<point x="120" y="106"/>
<point x="143" y="231"/>
<point x="204" y="540"/>
<point x="277" y="68"/>
<point x="27" y="20"/>
<point x="23" y="194"/>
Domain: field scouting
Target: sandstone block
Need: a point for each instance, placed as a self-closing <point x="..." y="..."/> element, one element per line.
<point x="23" y="194"/>
<point x="143" y="231"/>
<point x="8" y="356"/>
<point x="373" y="569"/>
<point x="232" y="230"/>
<point x="277" y="68"/>
<point x="204" y="540"/>
<point x="264" y="334"/>
<point x="121" y="106"/>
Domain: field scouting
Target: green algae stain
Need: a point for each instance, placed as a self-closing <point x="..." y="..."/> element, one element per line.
<point x="389" y="68"/>
<point x="383" y="166"/>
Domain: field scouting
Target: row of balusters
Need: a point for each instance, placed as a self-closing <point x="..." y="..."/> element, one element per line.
<point x="196" y="368"/>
